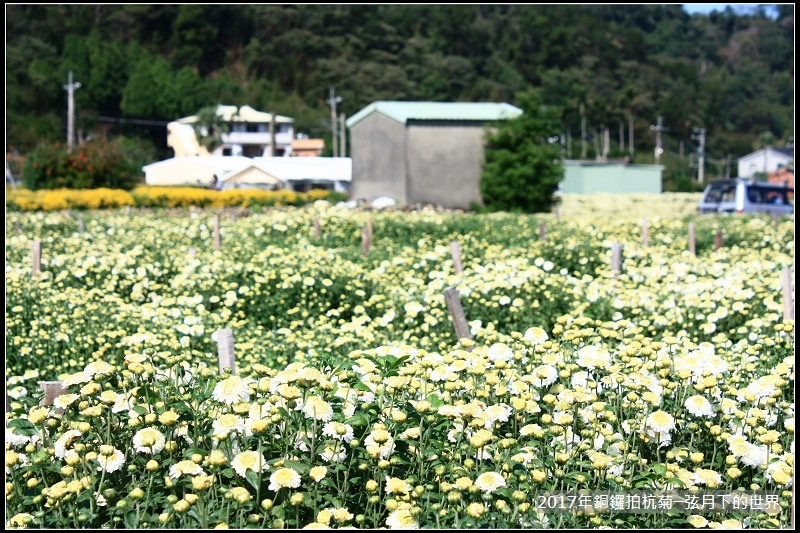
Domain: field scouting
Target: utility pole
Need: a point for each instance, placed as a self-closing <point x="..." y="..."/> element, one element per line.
<point x="700" y="135"/>
<point x="658" y="128"/>
<point x="334" y="119"/>
<point x="343" y="138"/>
<point x="70" y="88"/>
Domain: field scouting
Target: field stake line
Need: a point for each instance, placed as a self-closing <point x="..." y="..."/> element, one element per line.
<point x="225" y="351"/>
<point x="455" y="251"/>
<point x="457" y="312"/>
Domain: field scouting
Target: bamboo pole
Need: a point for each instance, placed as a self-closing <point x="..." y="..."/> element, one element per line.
<point x="225" y="351"/>
<point x="217" y="234"/>
<point x="788" y="295"/>
<point x="457" y="312"/>
<point x="455" y="250"/>
<point x="616" y="259"/>
<point x="317" y="227"/>
<point x="36" y="257"/>
<point x="366" y="240"/>
<point x="718" y="240"/>
<point x="542" y="231"/>
<point x="692" y="243"/>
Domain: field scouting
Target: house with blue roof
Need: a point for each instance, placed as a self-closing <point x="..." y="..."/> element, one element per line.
<point x="422" y="152"/>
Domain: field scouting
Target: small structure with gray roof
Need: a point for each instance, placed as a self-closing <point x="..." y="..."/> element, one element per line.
<point x="422" y="152"/>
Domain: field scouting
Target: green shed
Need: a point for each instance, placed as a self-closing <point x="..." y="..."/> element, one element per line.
<point x="616" y="177"/>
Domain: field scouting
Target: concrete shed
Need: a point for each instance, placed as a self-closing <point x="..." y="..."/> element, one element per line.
<point x="422" y="152"/>
<point x="587" y="177"/>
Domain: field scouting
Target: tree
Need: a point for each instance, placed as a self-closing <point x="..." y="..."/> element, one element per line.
<point x="522" y="167"/>
<point x="210" y="127"/>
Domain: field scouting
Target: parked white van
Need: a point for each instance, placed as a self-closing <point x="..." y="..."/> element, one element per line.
<point x="746" y="196"/>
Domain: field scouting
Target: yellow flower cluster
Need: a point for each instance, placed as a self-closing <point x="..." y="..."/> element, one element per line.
<point x="54" y="200"/>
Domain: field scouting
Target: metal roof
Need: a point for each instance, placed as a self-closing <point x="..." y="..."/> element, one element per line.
<point x="460" y="111"/>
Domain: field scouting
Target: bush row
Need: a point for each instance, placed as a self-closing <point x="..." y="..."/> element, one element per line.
<point x="53" y="200"/>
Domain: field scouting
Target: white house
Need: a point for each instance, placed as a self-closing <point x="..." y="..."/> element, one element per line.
<point x="251" y="134"/>
<point x="766" y="161"/>
<point x="191" y="170"/>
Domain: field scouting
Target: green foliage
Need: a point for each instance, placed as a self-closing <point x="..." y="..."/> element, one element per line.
<point x="522" y="169"/>
<point x="210" y="127"/>
<point x="114" y="164"/>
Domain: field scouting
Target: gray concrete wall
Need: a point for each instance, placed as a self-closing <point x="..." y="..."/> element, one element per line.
<point x="378" y="151"/>
<point x="445" y="163"/>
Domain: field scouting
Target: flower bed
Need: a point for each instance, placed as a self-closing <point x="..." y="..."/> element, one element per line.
<point x="353" y="403"/>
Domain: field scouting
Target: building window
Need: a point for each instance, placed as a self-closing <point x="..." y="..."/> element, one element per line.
<point x="252" y="128"/>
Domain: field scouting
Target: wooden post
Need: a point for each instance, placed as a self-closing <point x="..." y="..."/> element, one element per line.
<point x="645" y="233"/>
<point x="128" y="210"/>
<point x="370" y="228"/>
<point x="36" y="257"/>
<point x="18" y="226"/>
<point x="227" y="357"/>
<point x="718" y="240"/>
<point x="558" y="214"/>
<point x="455" y="250"/>
<point x="692" y="244"/>
<point x="217" y="236"/>
<point x="366" y="240"/>
<point x="542" y="231"/>
<point x="788" y="295"/>
<point x="457" y="312"/>
<point x="52" y="390"/>
<point x="81" y="226"/>
<point x="616" y="259"/>
<point x="317" y="228"/>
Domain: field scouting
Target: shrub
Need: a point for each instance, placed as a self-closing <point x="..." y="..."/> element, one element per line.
<point x="96" y="164"/>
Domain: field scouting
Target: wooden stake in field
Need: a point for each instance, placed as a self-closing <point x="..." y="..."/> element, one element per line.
<point x="616" y="259"/>
<point x="455" y="251"/>
<point x="542" y="231"/>
<point x="457" y="312"/>
<point x="692" y="244"/>
<point x="718" y="240"/>
<point x="366" y="240"/>
<point x="645" y="233"/>
<point x="317" y="228"/>
<point x="36" y="257"/>
<point x="227" y="357"/>
<point x="81" y="226"/>
<point x="788" y="295"/>
<point x="52" y="390"/>
<point x="217" y="234"/>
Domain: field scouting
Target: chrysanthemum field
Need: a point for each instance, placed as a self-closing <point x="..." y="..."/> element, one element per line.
<point x="352" y="403"/>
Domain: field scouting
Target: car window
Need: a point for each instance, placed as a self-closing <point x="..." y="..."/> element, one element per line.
<point x="764" y="195"/>
<point x="720" y="193"/>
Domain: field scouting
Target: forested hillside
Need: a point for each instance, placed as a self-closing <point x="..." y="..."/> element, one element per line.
<point x="604" y="66"/>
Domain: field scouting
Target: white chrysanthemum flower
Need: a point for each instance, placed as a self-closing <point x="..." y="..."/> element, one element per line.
<point x="338" y="431"/>
<point x="401" y="519"/>
<point x="498" y="412"/>
<point x="660" y="422"/>
<point x="111" y="463"/>
<point x="76" y="379"/>
<point x="396" y="485"/>
<point x="284" y="478"/>
<point x="232" y="390"/>
<point x="15" y="440"/>
<point x="535" y="335"/>
<point x="149" y="440"/>
<point x="316" y="408"/>
<point x="99" y="368"/>
<point x="489" y="482"/>
<point x="593" y="357"/>
<point x="228" y="423"/>
<point x="249" y="460"/>
<point x="709" y="478"/>
<point x="185" y="468"/>
<point x="543" y="376"/>
<point x="64" y="442"/>
<point x="699" y="406"/>
<point x="500" y="352"/>
<point x="334" y="453"/>
<point x="62" y="401"/>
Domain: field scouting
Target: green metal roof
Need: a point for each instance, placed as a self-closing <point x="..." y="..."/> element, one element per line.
<point x="465" y="111"/>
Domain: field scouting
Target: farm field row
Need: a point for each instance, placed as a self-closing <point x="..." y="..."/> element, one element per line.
<point x="354" y="404"/>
